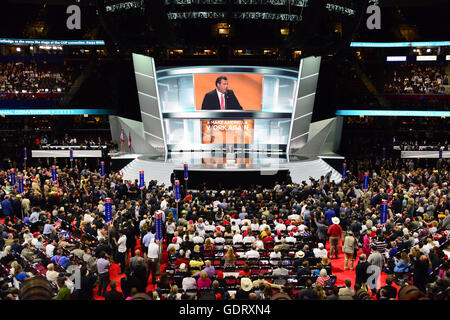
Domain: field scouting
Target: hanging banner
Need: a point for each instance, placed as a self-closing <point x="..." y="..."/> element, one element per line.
<point x="102" y="169"/>
<point x="12" y="178"/>
<point x="54" y="175"/>
<point x="71" y="154"/>
<point x="186" y="177"/>
<point x="25" y="156"/>
<point x="440" y="153"/>
<point x="108" y="210"/>
<point x="344" y="170"/>
<point x="141" y="180"/>
<point x="20" y="190"/>
<point x="177" y="191"/>
<point x="366" y="182"/>
<point x="158" y="227"/>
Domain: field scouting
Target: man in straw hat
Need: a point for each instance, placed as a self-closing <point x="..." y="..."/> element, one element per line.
<point x="335" y="234"/>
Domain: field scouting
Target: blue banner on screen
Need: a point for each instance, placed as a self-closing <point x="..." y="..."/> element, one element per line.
<point x="393" y="113"/>
<point x="344" y="170"/>
<point x="384" y="153"/>
<point x="141" y="180"/>
<point x="54" y="176"/>
<point x="366" y="182"/>
<point x="25" y="156"/>
<point x="54" y="112"/>
<point x="158" y="227"/>
<point x="177" y="191"/>
<point x="71" y="154"/>
<point x="52" y="42"/>
<point x="186" y="177"/>
<point x="108" y="210"/>
<point x="102" y="168"/>
<point x="400" y="44"/>
<point x="384" y="212"/>
<point x="12" y="178"/>
<point x="20" y="190"/>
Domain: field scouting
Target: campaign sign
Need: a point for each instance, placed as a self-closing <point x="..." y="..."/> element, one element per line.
<point x="366" y="181"/>
<point x="344" y="170"/>
<point x="141" y="180"/>
<point x="384" y="212"/>
<point x="20" y="190"/>
<point x="102" y="168"/>
<point x="186" y="177"/>
<point x="13" y="178"/>
<point x="54" y="176"/>
<point x="158" y="227"/>
<point x="108" y="210"/>
<point x="177" y="191"/>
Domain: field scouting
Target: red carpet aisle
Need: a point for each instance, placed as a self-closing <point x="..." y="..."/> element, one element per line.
<point x="337" y="268"/>
<point x="115" y="269"/>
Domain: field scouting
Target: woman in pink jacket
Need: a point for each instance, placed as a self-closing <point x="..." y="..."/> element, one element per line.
<point x="366" y="243"/>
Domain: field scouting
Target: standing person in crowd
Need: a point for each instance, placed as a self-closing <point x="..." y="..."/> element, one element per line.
<point x="335" y="233"/>
<point x="103" y="265"/>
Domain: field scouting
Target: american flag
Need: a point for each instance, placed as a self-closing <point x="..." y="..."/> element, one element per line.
<point x="122" y="138"/>
<point x="129" y="140"/>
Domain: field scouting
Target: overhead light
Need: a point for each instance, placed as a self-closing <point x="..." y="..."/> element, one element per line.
<point x="18" y="49"/>
<point x="428" y="50"/>
<point x="31" y="48"/>
<point x="395" y="58"/>
<point x="447" y="57"/>
<point x="284" y="31"/>
<point x="426" y="58"/>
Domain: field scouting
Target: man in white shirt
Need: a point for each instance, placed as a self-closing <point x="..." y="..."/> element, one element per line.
<point x="121" y="250"/>
<point x="164" y="203"/>
<point x="290" y="238"/>
<point x="88" y="218"/>
<point x="50" y="248"/>
<point x="198" y="239"/>
<point x="252" y="253"/>
<point x="237" y="237"/>
<point x="153" y="255"/>
<point x="248" y="239"/>
<point x="320" y="251"/>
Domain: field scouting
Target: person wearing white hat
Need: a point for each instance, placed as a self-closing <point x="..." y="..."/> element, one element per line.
<point x="244" y="290"/>
<point x="335" y="234"/>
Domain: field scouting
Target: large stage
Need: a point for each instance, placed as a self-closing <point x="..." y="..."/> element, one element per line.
<point x="253" y="168"/>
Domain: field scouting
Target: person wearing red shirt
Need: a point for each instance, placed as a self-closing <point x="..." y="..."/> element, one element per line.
<point x="268" y="241"/>
<point x="245" y="271"/>
<point x="335" y="234"/>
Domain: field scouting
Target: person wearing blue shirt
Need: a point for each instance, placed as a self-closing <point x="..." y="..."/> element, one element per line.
<point x="7" y="207"/>
<point x="48" y="227"/>
<point x="329" y="214"/>
<point x="402" y="265"/>
<point x="60" y="259"/>
<point x="147" y="238"/>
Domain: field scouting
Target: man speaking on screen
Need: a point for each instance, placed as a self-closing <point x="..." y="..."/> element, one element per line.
<point x="221" y="98"/>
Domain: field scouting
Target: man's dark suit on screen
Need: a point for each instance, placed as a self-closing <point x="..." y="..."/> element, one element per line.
<point x="211" y="101"/>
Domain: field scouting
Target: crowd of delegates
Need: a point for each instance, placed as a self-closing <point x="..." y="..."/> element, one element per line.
<point x="418" y="79"/>
<point x="227" y="244"/>
<point x="422" y="145"/>
<point x="20" y="77"/>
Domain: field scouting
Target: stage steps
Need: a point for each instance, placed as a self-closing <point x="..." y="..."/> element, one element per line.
<point x="153" y="170"/>
<point x="160" y="171"/>
<point x="302" y="170"/>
